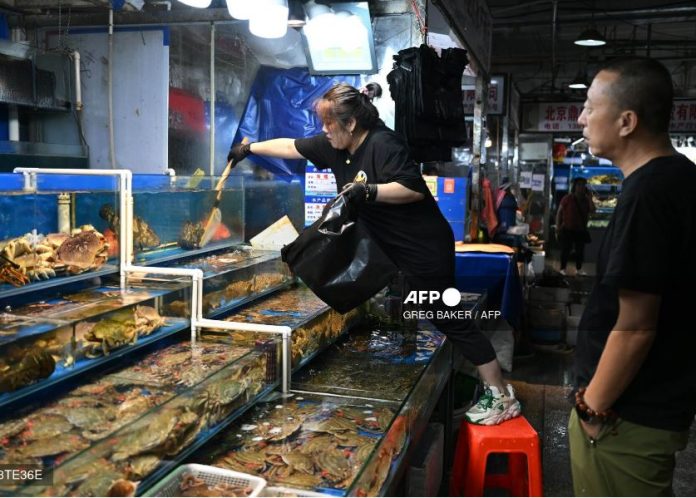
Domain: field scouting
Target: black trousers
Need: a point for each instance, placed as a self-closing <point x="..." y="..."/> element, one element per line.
<point x="570" y="239"/>
<point x="475" y="346"/>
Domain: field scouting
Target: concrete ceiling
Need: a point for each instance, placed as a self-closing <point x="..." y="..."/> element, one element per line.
<point x="526" y="42"/>
<point x="543" y="58"/>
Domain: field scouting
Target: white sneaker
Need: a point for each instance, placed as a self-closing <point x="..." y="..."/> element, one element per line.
<point x="562" y="272"/>
<point x="581" y="273"/>
<point x="494" y="407"/>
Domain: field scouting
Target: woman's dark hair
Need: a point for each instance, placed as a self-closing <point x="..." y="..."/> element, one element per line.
<point x="577" y="181"/>
<point x="343" y="102"/>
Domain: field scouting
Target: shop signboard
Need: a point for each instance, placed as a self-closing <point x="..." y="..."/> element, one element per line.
<point x="496" y="96"/>
<point x="563" y="116"/>
<point x="538" y="182"/>
<point x="320" y="188"/>
<point x="525" y="179"/>
<point x="683" y="116"/>
<point x="552" y="116"/>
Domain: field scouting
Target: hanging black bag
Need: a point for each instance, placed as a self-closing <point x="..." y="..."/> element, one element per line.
<point x="338" y="259"/>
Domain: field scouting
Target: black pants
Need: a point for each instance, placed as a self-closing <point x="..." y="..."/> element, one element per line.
<point x="475" y="346"/>
<point x="570" y="239"/>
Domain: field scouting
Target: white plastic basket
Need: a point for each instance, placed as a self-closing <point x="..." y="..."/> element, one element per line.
<point x="279" y="491"/>
<point x="170" y="485"/>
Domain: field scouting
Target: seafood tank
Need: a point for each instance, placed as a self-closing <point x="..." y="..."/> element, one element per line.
<point x="61" y="335"/>
<point x="41" y="245"/>
<point x="128" y="425"/>
<point x="233" y="277"/>
<point x="309" y="441"/>
<point x="314" y="324"/>
<point x="172" y="216"/>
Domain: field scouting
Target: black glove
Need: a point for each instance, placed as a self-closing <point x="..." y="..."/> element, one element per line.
<point x="358" y="193"/>
<point x="239" y="152"/>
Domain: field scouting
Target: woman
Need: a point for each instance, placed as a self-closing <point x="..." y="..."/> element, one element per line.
<point x="571" y="223"/>
<point x="392" y="199"/>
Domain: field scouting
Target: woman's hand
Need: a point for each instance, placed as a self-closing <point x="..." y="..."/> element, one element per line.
<point x="239" y="152"/>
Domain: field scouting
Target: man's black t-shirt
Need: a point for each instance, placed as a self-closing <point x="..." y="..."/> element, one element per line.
<point x="416" y="235"/>
<point x="648" y="247"/>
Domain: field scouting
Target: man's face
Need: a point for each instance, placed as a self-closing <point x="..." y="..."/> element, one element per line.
<point x="600" y="117"/>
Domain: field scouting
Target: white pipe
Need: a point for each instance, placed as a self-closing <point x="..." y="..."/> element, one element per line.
<point x="284" y="331"/>
<point x="78" y="81"/>
<point x="110" y="84"/>
<point x="13" y="118"/>
<point x="172" y="175"/>
<point x="196" y="276"/>
<point x="125" y="192"/>
<point x="212" y="99"/>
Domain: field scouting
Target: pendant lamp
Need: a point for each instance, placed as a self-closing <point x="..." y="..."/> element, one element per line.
<point x="200" y="4"/>
<point x="269" y="19"/>
<point x="590" y="38"/>
<point x="240" y="9"/>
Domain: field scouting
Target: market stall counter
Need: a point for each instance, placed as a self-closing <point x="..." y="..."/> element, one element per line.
<point x="491" y="268"/>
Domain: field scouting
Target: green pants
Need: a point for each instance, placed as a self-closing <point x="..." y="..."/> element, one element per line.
<point x="625" y="460"/>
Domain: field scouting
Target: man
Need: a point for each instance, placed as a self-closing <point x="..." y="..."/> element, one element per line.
<point x="571" y="224"/>
<point x="636" y="346"/>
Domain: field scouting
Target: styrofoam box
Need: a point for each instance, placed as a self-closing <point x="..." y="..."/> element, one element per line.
<point x="549" y="294"/>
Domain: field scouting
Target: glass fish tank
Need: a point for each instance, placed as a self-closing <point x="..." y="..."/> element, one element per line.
<point x="172" y="216"/>
<point x="233" y="277"/>
<point x="41" y="244"/>
<point x="314" y="442"/>
<point x="314" y="324"/>
<point x="63" y="334"/>
<point x="126" y="425"/>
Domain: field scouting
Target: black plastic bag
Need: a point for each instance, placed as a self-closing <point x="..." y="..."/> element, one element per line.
<point x="338" y="259"/>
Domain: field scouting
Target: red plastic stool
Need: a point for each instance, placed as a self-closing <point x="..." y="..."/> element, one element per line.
<point x="475" y="442"/>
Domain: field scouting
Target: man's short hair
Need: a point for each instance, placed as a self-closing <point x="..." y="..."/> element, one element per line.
<point x="644" y="86"/>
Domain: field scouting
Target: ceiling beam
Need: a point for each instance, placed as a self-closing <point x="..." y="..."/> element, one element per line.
<point x="638" y="16"/>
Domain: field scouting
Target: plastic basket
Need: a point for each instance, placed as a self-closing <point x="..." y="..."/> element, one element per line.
<point x="288" y="492"/>
<point x="170" y="485"/>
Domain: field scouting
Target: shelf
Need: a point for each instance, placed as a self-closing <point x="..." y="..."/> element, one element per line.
<point x="314" y="324"/>
<point x="6" y="290"/>
<point x="159" y="256"/>
<point x="604" y="188"/>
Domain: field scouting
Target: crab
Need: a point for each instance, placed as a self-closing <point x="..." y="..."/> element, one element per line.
<point x="26" y="258"/>
<point x="85" y="249"/>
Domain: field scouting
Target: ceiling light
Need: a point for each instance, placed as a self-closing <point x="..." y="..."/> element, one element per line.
<point x="590" y="38"/>
<point x="240" y="9"/>
<point x="269" y="19"/>
<point x="200" y="4"/>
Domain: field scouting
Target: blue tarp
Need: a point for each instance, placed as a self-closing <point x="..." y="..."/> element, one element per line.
<point x="281" y="105"/>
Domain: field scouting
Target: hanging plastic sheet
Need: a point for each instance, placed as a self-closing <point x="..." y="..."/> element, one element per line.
<point x="281" y="105"/>
<point x="338" y="259"/>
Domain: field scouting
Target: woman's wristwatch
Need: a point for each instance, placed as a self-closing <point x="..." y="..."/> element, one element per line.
<point x="587" y="414"/>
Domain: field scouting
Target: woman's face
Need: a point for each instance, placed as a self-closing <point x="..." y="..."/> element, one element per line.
<point x="339" y="137"/>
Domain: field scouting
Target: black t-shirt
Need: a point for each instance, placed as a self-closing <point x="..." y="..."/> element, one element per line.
<point x="648" y="247"/>
<point x="416" y="235"/>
